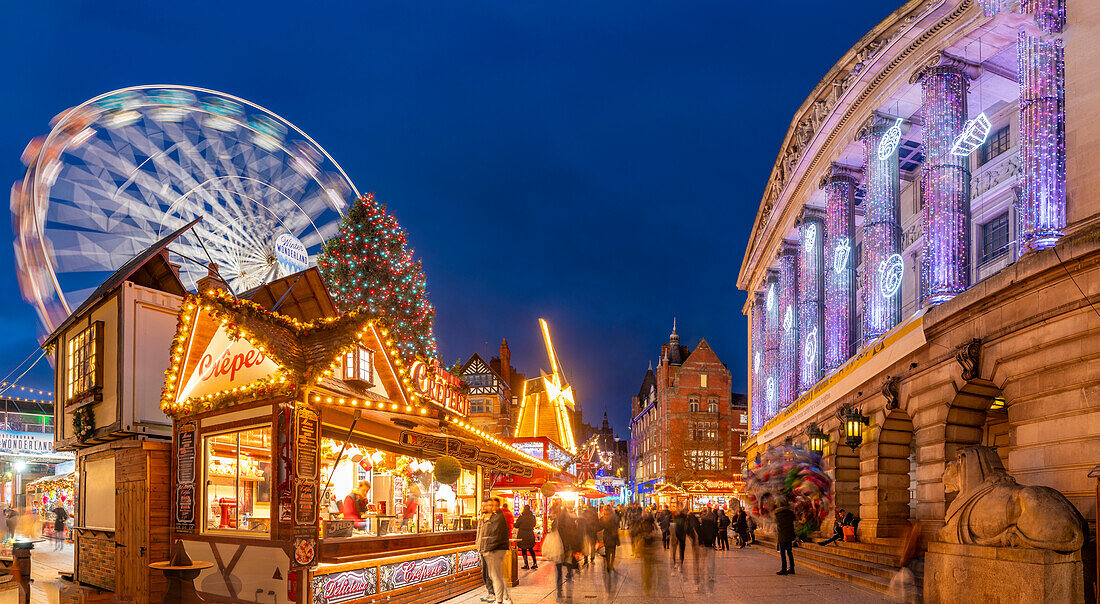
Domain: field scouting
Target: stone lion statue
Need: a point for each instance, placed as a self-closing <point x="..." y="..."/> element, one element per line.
<point x="992" y="509"/>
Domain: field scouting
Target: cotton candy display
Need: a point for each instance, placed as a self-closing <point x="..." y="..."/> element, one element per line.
<point x="795" y="474"/>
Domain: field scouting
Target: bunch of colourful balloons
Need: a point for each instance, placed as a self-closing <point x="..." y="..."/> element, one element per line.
<point x="795" y="475"/>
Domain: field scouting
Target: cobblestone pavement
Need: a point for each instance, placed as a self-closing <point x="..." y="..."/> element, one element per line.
<point x="741" y="575"/>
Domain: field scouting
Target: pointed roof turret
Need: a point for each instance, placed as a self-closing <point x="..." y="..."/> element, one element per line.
<point x="674" y="352"/>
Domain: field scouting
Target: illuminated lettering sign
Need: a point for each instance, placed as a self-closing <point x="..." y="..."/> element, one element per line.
<point x="347" y="586"/>
<point x="412" y="572"/>
<point x="437" y="385"/>
<point x="291" y="254"/>
<point x="227" y="364"/>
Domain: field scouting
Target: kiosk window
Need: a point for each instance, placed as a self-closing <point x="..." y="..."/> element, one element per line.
<point x="238" y="478"/>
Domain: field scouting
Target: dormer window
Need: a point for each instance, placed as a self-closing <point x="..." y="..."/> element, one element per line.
<point x="359" y="366"/>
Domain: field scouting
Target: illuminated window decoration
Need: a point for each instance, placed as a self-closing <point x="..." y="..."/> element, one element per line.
<point x="841" y="255"/>
<point x="840" y="191"/>
<point x="809" y="349"/>
<point x="772" y="337"/>
<point x="945" y="183"/>
<point x="890" y="273"/>
<point x="972" y="136"/>
<point x="889" y="142"/>
<point x="758" y="335"/>
<point x="811" y="291"/>
<point x="881" y="230"/>
<point x="1041" y="64"/>
<point x="787" y="369"/>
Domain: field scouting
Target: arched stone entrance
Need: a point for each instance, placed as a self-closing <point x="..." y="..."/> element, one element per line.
<point x="845" y="476"/>
<point x="885" y="478"/>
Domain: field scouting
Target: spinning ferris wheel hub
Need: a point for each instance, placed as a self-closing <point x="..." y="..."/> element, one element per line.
<point x="120" y="171"/>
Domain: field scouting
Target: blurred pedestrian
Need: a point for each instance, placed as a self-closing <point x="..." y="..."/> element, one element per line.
<point x="723" y="542"/>
<point x="784" y="535"/>
<point x="664" y="517"/>
<point x="525" y="532"/>
<point x="706" y="535"/>
<point x="493" y="545"/>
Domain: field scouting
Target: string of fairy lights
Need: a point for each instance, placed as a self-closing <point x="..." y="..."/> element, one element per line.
<point x="949" y="140"/>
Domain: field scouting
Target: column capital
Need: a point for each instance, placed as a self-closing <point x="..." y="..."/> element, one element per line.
<point x="941" y="62"/>
<point x="811" y="215"/>
<point x="838" y="172"/>
<point x="878" y="123"/>
<point x="790" y="248"/>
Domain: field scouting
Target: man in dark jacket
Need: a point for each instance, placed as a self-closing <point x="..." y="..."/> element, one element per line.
<point x="706" y="534"/>
<point x="723" y="543"/>
<point x="679" y="527"/>
<point x="590" y="525"/>
<point x="784" y="535"/>
<point x="493" y="545"/>
<point x="663" y="520"/>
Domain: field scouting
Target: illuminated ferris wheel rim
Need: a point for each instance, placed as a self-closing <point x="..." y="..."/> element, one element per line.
<point x="37" y="185"/>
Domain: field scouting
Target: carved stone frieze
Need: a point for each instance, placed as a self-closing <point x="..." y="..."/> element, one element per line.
<point x="816" y="112"/>
<point x="989" y="176"/>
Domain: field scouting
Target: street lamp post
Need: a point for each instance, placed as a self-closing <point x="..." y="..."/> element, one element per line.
<point x="854" y="421"/>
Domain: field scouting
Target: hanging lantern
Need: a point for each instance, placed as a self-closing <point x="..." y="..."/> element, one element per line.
<point x="854" y="421"/>
<point x="816" y="437"/>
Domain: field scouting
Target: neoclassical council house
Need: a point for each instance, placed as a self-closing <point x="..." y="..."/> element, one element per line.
<point x="923" y="259"/>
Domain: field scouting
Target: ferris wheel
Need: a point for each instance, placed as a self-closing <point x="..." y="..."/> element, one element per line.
<point x="120" y="171"/>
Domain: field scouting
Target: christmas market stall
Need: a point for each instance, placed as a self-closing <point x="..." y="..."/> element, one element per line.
<point x="313" y="464"/>
<point x="48" y="493"/>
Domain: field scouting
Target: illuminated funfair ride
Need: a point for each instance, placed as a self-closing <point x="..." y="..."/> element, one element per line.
<point x="120" y="171"/>
<point x="548" y="407"/>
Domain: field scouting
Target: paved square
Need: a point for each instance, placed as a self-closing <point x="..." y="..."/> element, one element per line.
<point x="741" y="575"/>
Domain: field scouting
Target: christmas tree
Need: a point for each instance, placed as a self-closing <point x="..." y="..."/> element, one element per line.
<point x="368" y="266"/>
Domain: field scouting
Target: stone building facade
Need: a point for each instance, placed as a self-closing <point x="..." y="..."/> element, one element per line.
<point x="927" y="254"/>
<point x="680" y="428"/>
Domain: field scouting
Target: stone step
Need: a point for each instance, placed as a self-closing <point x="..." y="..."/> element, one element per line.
<point x="837" y="549"/>
<point x="862" y="579"/>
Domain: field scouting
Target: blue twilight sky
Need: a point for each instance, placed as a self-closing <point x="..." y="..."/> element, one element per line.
<point x="598" y="164"/>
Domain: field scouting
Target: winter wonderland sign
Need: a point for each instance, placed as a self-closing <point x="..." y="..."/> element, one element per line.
<point x="291" y="254"/>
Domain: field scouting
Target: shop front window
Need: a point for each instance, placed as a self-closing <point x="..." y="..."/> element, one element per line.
<point x="238" y="478"/>
<point x="375" y="493"/>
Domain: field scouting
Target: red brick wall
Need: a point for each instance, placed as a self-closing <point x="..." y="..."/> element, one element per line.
<point x="677" y="386"/>
<point x="97" y="559"/>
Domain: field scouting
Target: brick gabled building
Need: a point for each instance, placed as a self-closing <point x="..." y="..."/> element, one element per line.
<point x="681" y="426"/>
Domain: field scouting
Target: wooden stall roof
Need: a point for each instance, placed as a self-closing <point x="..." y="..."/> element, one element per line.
<point x="302" y="296"/>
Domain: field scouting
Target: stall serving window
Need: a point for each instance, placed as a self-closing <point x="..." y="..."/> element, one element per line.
<point x="375" y="493"/>
<point x="238" y="477"/>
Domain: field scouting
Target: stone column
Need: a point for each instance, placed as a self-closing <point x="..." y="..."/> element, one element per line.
<point x="1041" y="62"/>
<point x="787" y="370"/>
<point x="811" y="290"/>
<point x="757" y="373"/>
<point x="771" y="344"/>
<point x="945" y="180"/>
<point x="840" y="270"/>
<point x="881" y="226"/>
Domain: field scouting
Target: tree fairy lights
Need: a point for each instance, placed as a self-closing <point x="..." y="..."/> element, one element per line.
<point x="367" y="265"/>
<point x="811" y="286"/>
<point x="840" y="191"/>
<point x="787" y="369"/>
<point x="945" y="182"/>
<point x="881" y="230"/>
<point x="1041" y="63"/>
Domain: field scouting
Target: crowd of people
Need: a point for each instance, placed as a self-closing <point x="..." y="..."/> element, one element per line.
<point x="577" y="539"/>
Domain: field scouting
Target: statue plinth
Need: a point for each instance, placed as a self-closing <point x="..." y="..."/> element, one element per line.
<point x="973" y="573"/>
